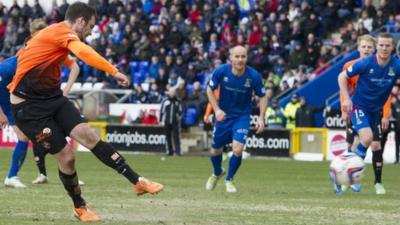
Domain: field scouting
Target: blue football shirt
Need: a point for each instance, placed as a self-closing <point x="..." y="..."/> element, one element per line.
<point x="7" y="71"/>
<point x="236" y="92"/>
<point x="375" y="82"/>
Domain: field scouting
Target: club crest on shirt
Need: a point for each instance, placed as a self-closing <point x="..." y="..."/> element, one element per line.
<point x="225" y="79"/>
<point x="371" y="71"/>
<point x="247" y="83"/>
<point x="391" y="72"/>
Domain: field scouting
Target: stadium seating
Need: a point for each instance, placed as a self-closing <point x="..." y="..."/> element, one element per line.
<point x="189" y="117"/>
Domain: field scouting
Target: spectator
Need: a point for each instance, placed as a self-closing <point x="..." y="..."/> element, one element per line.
<point x="297" y="57"/>
<point x="197" y="99"/>
<point x="139" y="118"/>
<point x="274" y="117"/>
<point x="290" y="111"/>
<point x="366" y="20"/>
<point x="154" y="69"/>
<point x="312" y="25"/>
<point x="305" y="114"/>
<point x="170" y="117"/>
<point x="154" y="96"/>
<point x="64" y="6"/>
<point x="369" y="8"/>
<point x="150" y="118"/>
<point x="141" y="95"/>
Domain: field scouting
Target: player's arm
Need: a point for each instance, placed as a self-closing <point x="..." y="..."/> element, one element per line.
<point x="349" y="84"/>
<point x="208" y="112"/>
<point x="92" y="58"/>
<point x="344" y="91"/>
<point x="263" y="106"/>
<point x="219" y="114"/>
<point x="213" y="98"/>
<point x="3" y="118"/>
<point x="387" y="113"/>
<point x="209" y="108"/>
<point x="73" y="74"/>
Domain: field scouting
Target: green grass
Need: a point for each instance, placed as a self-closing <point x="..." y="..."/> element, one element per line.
<point x="270" y="192"/>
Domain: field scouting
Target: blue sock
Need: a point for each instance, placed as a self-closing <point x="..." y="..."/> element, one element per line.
<point x="18" y="158"/>
<point x="216" y="161"/>
<point x="361" y="151"/>
<point x="234" y="164"/>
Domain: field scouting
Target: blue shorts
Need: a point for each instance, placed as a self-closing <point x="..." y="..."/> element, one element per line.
<point x="231" y="129"/>
<point x="6" y="107"/>
<point x="363" y="119"/>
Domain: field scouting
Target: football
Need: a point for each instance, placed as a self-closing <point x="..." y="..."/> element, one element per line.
<point x="347" y="169"/>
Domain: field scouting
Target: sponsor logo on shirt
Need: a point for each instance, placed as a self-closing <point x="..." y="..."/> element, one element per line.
<point x="247" y="83"/>
<point x="391" y="72"/>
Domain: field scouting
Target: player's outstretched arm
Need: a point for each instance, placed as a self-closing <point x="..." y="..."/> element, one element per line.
<point x="73" y="74"/>
<point x="219" y="114"/>
<point x="342" y="80"/>
<point x="122" y="79"/>
<point x="260" y="120"/>
<point x="88" y="55"/>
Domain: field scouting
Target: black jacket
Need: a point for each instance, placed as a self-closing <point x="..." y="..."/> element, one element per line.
<point x="171" y="111"/>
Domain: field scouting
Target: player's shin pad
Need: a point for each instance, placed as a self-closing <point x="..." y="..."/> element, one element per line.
<point x="107" y="154"/>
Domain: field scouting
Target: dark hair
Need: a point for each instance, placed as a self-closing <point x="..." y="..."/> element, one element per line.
<point x="385" y="35"/>
<point x="80" y="9"/>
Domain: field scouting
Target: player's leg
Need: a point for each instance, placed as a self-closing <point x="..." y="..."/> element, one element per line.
<point x="17" y="159"/>
<point x="361" y="125"/>
<point x="234" y="163"/>
<point x="235" y="160"/>
<point x="69" y="178"/>
<point x="221" y="136"/>
<point x="46" y="134"/>
<point x="377" y="158"/>
<point x="39" y="156"/>
<point x="240" y="131"/>
<point x="397" y="142"/>
<point x="350" y="135"/>
<point x="70" y="119"/>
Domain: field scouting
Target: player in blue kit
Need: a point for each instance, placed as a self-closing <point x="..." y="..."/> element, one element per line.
<point x="237" y="83"/>
<point x="377" y="76"/>
<point x="7" y="71"/>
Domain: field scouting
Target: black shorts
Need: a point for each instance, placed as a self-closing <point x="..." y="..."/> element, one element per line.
<point x="376" y="133"/>
<point x="48" y="122"/>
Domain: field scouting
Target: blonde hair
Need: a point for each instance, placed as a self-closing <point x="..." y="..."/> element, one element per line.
<point x="366" y="37"/>
<point x="37" y="25"/>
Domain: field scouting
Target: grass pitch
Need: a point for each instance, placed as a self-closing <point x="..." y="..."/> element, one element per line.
<point x="270" y="192"/>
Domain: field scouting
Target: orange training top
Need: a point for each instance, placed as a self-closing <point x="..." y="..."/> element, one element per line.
<point x="352" y="83"/>
<point x="209" y="109"/>
<point x="38" y="74"/>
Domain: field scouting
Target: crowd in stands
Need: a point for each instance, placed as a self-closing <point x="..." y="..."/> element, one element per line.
<point x="177" y="43"/>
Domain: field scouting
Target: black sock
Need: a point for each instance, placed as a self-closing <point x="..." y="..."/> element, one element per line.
<point x="377" y="163"/>
<point x="71" y="184"/>
<point x="40" y="160"/>
<point x="107" y="154"/>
